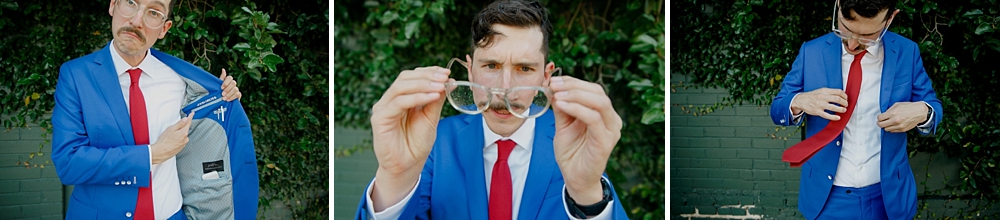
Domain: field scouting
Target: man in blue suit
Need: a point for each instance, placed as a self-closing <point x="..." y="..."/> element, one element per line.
<point x="863" y="172"/>
<point x="118" y="124"/>
<point x="496" y="164"/>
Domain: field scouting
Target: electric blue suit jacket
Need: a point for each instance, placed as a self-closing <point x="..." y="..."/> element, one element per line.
<point x="453" y="181"/>
<point x="93" y="146"/>
<point x="818" y="65"/>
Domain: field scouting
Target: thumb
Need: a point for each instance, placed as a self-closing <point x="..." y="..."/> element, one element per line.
<point x="223" y="76"/>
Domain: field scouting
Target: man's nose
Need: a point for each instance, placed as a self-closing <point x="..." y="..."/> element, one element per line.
<point x="136" y="20"/>
<point x="853" y="44"/>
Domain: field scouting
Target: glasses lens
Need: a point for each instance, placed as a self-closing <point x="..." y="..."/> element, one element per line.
<point x="153" y="19"/>
<point x="528" y="102"/>
<point x="127" y="8"/>
<point x="467" y="98"/>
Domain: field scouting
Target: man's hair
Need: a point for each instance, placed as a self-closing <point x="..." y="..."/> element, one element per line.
<point x="867" y="8"/>
<point x="514" y="13"/>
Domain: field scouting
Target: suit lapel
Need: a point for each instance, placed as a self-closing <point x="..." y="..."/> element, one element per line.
<point x="540" y="169"/>
<point x="890" y="52"/>
<point x="106" y="77"/>
<point x="470" y="156"/>
<point x="831" y="57"/>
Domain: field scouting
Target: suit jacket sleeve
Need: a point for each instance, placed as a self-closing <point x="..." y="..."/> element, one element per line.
<point x="791" y="86"/>
<point x="76" y="161"/>
<point x="417" y="207"/>
<point x="923" y="91"/>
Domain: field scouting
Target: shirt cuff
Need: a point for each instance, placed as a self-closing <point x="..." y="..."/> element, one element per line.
<point x="796" y="118"/>
<point x="605" y="214"/>
<point x="394" y="211"/>
<point x="926" y="126"/>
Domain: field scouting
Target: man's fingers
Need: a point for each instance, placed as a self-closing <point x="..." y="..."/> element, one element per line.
<point x="406" y="87"/>
<point x="589" y="116"/>
<point x="596" y="102"/>
<point x="401" y="103"/>
<point x="434" y="73"/>
<point x="836" y="108"/>
<point x="828" y="116"/>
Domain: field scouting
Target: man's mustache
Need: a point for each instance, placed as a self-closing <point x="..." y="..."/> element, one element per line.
<point x="134" y="31"/>
<point x="497" y="106"/>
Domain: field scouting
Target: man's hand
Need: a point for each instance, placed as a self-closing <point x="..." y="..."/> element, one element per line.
<point x="230" y="91"/>
<point x="903" y="116"/>
<point x="171" y="141"/>
<point x="816" y="102"/>
<point x="404" y="126"/>
<point x="587" y="129"/>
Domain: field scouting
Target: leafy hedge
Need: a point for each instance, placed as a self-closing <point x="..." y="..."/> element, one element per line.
<point x="748" y="46"/>
<point x="617" y="44"/>
<point x="276" y="50"/>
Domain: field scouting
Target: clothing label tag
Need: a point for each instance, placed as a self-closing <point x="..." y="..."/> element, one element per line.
<point x="210" y="176"/>
<point x="208" y="167"/>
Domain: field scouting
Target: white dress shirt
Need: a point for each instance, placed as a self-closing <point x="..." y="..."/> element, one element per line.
<point x="860" y="157"/>
<point x="518" y="161"/>
<point x="163" y="91"/>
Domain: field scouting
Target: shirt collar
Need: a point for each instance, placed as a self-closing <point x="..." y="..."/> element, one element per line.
<point x="147" y="64"/>
<point x="523" y="136"/>
<point x="873" y="51"/>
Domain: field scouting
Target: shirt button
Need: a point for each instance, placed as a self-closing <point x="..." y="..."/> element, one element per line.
<point x="128" y="214"/>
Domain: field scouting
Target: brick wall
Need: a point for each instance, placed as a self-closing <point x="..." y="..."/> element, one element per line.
<point x="34" y="193"/>
<point x="351" y="174"/>
<point x="726" y="165"/>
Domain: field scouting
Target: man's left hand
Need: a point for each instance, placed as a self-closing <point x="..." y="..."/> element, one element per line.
<point x="230" y="91"/>
<point x="903" y="116"/>
<point x="587" y="129"/>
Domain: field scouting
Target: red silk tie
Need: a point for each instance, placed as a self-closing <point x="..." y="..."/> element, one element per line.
<point x="500" y="185"/>
<point x="799" y="153"/>
<point x="140" y="131"/>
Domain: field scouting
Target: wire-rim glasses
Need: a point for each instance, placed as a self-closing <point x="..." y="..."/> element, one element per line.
<point x="463" y="94"/>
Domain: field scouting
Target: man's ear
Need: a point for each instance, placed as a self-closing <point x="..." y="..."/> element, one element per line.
<point x="166" y="26"/>
<point x="893" y="15"/>
<point x="468" y="67"/>
<point x="111" y="8"/>
<point x="549" y="68"/>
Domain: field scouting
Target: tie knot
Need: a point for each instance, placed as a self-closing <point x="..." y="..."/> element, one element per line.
<point x="134" y="74"/>
<point x="505" y="146"/>
<point x="860" y="55"/>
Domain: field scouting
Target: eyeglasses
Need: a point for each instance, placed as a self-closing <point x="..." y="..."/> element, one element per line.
<point x="471" y="98"/>
<point x="845" y="36"/>
<point x="152" y="17"/>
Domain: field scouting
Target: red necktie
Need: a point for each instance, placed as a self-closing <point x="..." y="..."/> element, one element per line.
<point x="500" y="185"/>
<point x="799" y="153"/>
<point x="140" y="131"/>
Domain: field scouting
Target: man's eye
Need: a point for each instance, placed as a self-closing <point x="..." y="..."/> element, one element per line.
<point x="130" y="2"/>
<point x="491" y="66"/>
<point x="525" y="69"/>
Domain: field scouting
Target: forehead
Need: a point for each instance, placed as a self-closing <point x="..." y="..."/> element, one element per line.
<point x="513" y="42"/>
<point x="863" y="25"/>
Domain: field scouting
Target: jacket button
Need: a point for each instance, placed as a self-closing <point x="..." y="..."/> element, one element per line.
<point x="838" y="143"/>
<point x="829" y="177"/>
<point x="782" y="121"/>
<point x="128" y="214"/>
<point x="129" y="182"/>
<point x="117" y="183"/>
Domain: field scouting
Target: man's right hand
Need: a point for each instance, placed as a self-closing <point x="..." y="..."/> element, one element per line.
<point x="816" y="103"/>
<point x="404" y="125"/>
<point x="171" y="141"/>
